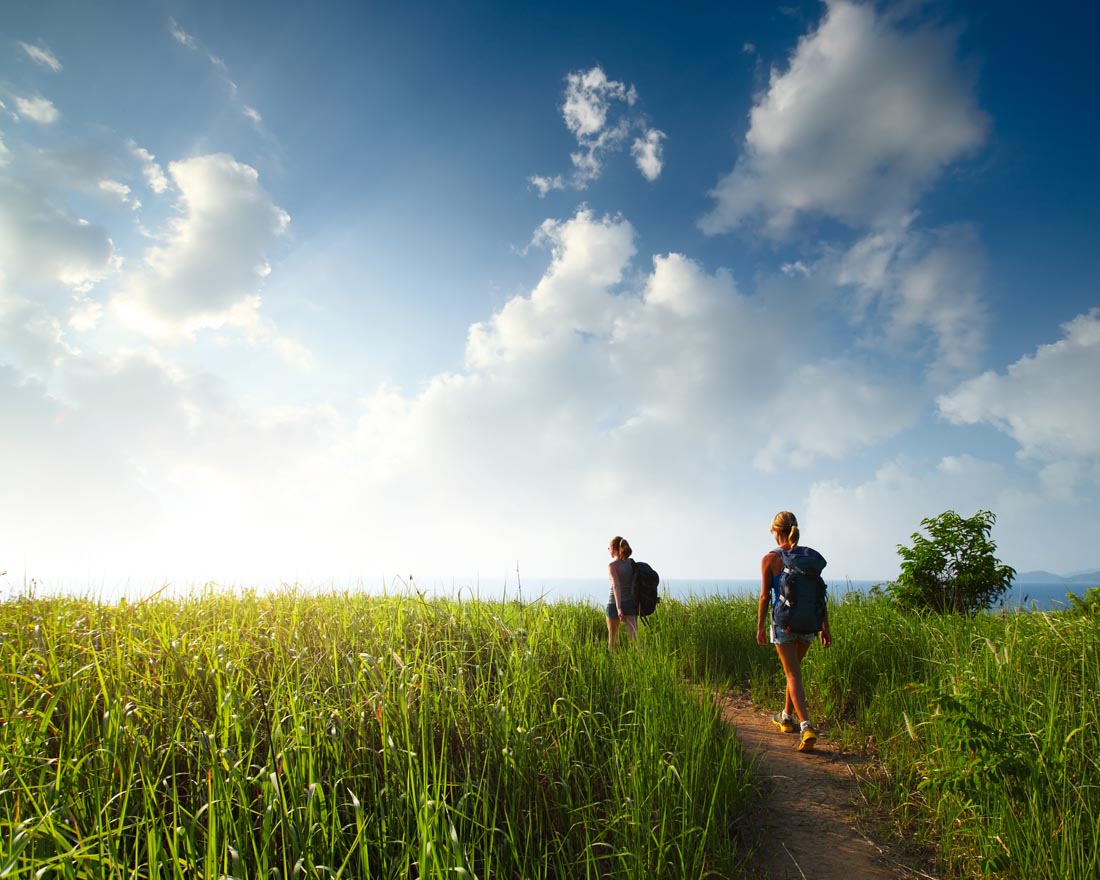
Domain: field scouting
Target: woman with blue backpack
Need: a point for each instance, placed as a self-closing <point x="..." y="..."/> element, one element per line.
<point x="792" y="587"/>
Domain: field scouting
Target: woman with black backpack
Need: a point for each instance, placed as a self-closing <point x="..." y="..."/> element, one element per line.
<point x="792" y="642"/>
<point x="622" y="604"/>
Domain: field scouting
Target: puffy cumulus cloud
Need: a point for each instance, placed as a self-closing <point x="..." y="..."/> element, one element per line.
<point x="858" y="527"/>
<point x="37" y="109"/>
<point x="921" y="289"/>
<point x="598" y="385"/>
<point x="41" y="55"/>
<point x="598" y="111"/>
<point x="590" y="256"/>
<point x="1040" y="401"/>
<point x="588" y="98"/>
<point x="866" y="115"/>
<point x="649" y="154"/>
<point x="208" y="270"/>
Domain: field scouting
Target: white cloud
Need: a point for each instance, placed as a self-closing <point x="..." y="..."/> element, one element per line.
<point x="1043" y="401"/>
<point x="43" y="243"/>
<point x="915" y="286"/>
<point x="597" y="111"/>
<point x="38" y="109"/>
<point x="85" y="315"/>
<point x="595" y="385"/>
<point x="30" y="336"/>
<point x="47" y="256"/>
<point x="546" y="184"/>
<point x="828" y="409"/>
<point x="41" y="55"/>
<point x="865" y="117"/>
<point x="588" y="161"/>
<point x="588" y="97"/>
<point x="154" y="175"/>
<point x="648" y="154"/>
<point x="208" y="271"/>
<point x="119" y="190"/>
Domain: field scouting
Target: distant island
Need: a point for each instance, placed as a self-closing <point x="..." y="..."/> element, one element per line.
<point x="1046" y="577"/>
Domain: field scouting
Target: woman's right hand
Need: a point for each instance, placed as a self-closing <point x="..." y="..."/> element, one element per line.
<point x="761" y="636"/>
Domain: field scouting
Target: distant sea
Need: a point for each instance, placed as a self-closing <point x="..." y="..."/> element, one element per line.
<point x="1040" y="595"/>
<point x="1028" y="596"/>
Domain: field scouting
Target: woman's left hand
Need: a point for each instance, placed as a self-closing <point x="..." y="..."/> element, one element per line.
<point x="826" y="638"/>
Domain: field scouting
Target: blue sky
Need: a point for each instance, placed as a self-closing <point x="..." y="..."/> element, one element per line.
<point x="327" y="292"/>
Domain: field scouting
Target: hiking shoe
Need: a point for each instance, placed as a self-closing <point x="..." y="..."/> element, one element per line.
<point x="806" y="742"/>
<point x="784" y="724"/>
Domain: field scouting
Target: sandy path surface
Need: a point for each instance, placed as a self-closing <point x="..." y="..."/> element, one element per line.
<point x="808" y="814"/>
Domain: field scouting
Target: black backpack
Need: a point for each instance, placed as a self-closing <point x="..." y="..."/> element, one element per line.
<point x="646" y="581"/>
<point x="800" y="607"/>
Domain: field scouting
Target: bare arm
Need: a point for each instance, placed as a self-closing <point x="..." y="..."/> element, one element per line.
<point x="767" y="566"/>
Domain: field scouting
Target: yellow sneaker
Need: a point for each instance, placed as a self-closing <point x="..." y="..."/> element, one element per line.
<point x="807" y="740"/>
<point x="784" y="724"/>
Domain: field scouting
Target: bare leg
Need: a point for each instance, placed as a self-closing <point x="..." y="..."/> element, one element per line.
<point x="631" y="627"/>
<point x="612" y="632"/>
<point x="790" y="655"/>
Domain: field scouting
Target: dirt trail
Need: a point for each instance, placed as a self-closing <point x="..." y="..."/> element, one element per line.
<point x="807" y="818"/>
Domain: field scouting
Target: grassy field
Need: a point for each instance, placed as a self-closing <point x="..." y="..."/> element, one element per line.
<point x="303" y="736"/>
<point x="346" y="736"/>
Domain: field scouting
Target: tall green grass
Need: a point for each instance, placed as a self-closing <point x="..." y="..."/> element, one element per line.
<point x="349" y="736"/>
<point x="293" y="736"/>
<point x="988" y="726"/>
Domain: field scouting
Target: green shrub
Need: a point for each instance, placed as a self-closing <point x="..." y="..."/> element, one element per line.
<point x="955" y="570"/>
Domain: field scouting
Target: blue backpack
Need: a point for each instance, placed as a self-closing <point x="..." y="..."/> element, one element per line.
<point x="800" y="606"/>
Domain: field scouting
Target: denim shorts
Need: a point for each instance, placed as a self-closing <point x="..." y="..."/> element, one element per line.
<point x="782" y="638"/>
<point x="630" y="609"/>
